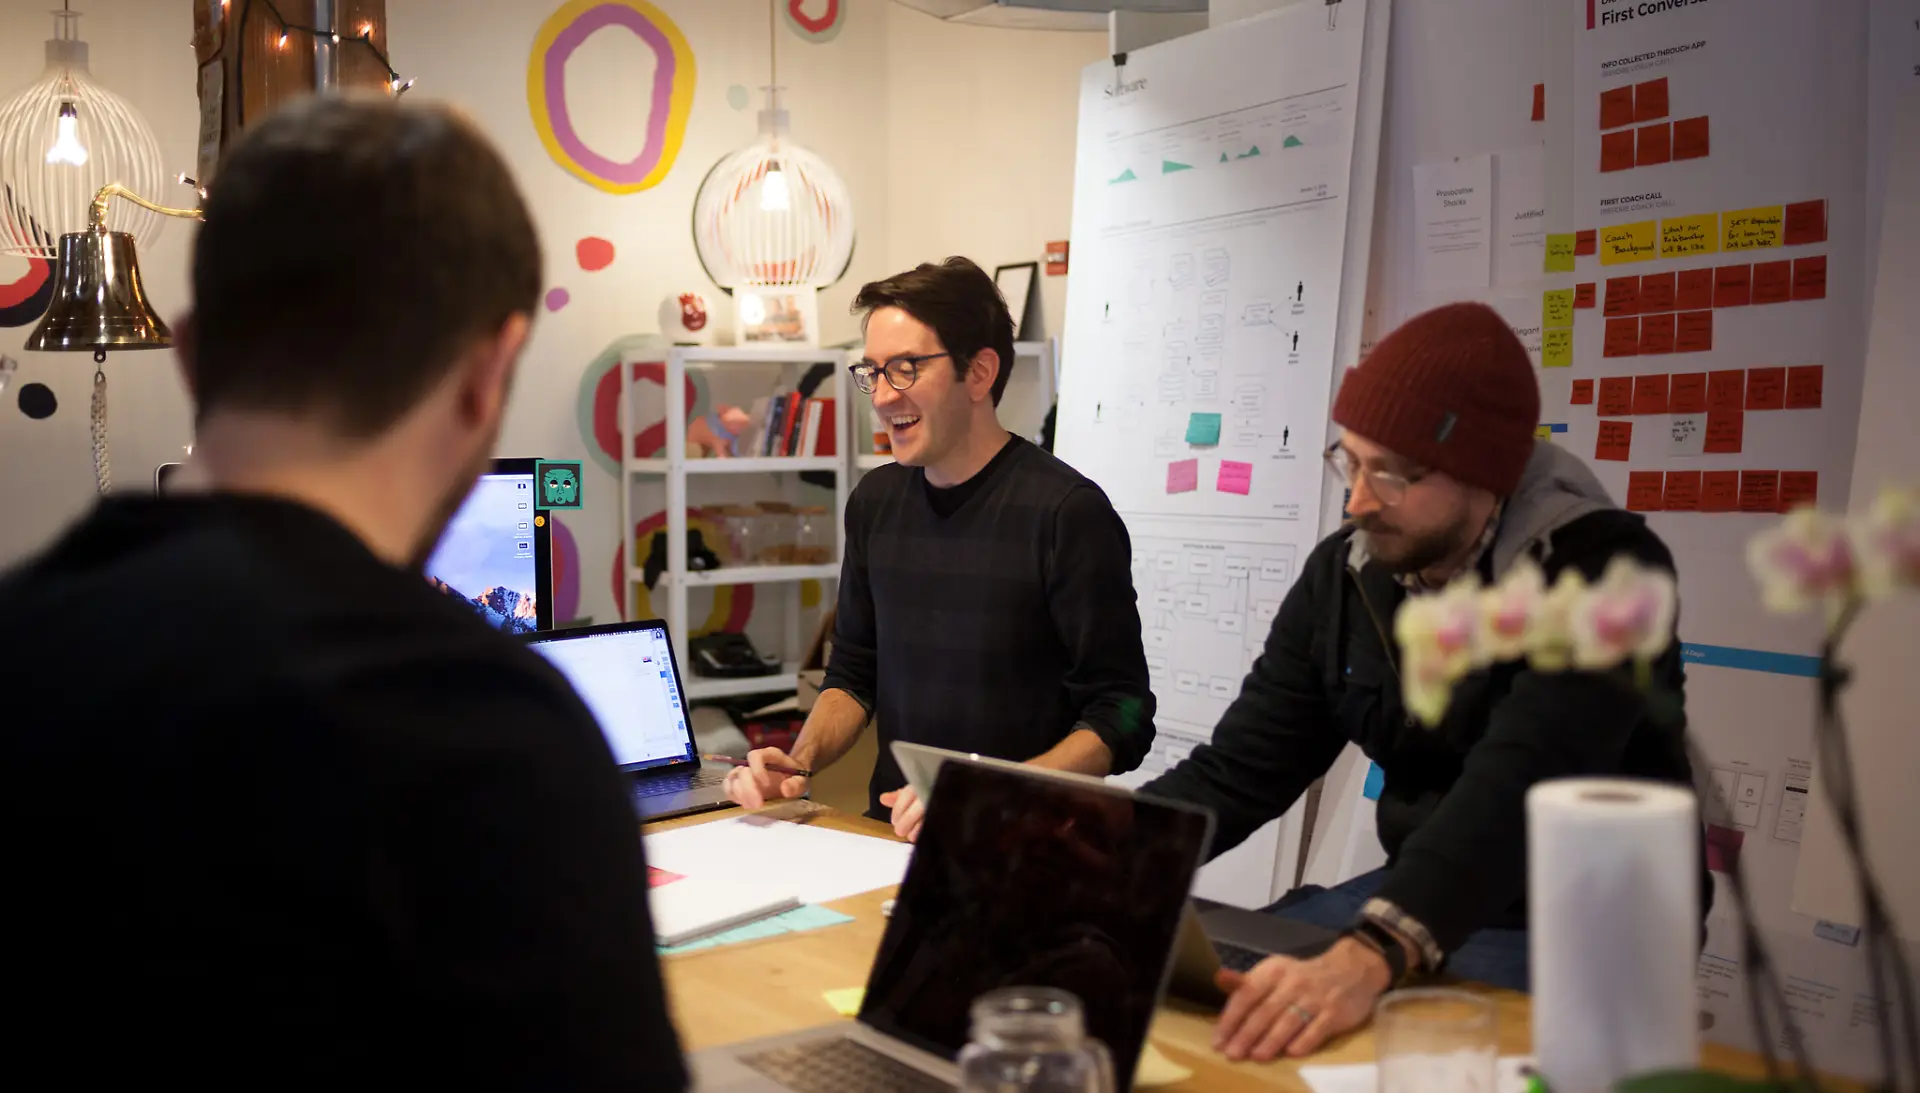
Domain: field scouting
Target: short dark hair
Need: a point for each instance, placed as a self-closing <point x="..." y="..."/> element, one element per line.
<point x="959" y="301"/>
<point x="353" y="247"/>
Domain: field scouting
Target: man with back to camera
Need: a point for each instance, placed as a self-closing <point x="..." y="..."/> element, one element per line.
<point x="1446" y="479"/>
<point x="278" y="813"/>
<point x="986" y="597"/>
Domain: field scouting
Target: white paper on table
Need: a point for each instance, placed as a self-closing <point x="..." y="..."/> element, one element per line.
<point x="816" y="864"/>
<point x="1452" y="209"/>
<point x="1520" y="217"/>
<point x="1365" y="1077"/>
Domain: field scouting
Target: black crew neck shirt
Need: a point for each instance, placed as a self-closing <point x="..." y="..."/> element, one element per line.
<point x="947" y="500"/>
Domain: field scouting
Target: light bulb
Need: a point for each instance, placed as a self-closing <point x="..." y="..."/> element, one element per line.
<point x="773" y="190"/>
<point x="66" y="142"/>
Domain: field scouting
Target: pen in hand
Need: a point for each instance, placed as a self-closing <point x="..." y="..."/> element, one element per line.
<point x="792" y="772"/>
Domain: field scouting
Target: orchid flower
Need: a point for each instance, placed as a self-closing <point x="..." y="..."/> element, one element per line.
<point x="1509" y="611"/>
<point x="1438" y="636"/>
<point x="1627" y="616"/>
<point x="1550" y="645"/>
<point x="1804" y="560"/>
<point x="1887" y="542"/>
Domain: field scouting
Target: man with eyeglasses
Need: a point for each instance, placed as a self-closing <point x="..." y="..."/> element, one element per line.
<point x="986" y="595"/>
<point x="1446" y="479"/>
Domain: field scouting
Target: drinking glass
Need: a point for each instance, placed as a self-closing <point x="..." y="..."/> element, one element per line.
<point x="1436" y="1040"/>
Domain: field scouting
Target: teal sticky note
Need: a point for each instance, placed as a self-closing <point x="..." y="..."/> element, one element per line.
<point x="1203" y="429"/>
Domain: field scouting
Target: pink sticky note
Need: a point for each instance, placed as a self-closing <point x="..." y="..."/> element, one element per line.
<point x="1183" y="476"/>
<point x="1235" y="477"/>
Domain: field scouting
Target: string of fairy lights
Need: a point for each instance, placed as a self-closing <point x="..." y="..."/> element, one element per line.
<point x="395" y="83"/>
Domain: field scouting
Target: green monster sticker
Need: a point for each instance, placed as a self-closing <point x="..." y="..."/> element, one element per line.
<point x="559" y="485"/>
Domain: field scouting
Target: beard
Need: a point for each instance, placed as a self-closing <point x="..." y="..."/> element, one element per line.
<point x="1401" y="551"/>
<point x="450" y="501"/>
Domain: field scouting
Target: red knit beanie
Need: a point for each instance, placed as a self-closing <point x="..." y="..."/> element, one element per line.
<point x="1452" y="389"/>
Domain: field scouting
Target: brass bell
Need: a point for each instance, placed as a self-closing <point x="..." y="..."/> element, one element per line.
<point x="98" y="301"/>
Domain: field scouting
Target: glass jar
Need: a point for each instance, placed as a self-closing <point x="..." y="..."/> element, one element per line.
<point x="1033" y="1040"/>
<point x="778" y="528"/>
<point x="813" y="536"/>
<point x="742" y="526"/>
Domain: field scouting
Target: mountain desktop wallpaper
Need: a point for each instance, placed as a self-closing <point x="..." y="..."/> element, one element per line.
<point x="486" y="556"/>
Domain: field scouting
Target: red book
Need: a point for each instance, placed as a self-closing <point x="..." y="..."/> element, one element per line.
<point x="828" y="442"/>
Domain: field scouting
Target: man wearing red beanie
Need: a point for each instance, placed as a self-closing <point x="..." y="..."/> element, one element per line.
<point x="1445" y="479"/>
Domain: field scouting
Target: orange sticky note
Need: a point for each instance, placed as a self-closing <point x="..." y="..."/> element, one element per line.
<point x="1732" y="286"/>
<point x="1539" y="102"/>
<point x="1798" y="488"/>
<point x="1727" y="390"/>
<point x="1806" y="223"/>
<point x="1582" y="393"/>
<point x="1759" y="491"/>
<point x="1623" y="338"/>
<point x="1654" y="144"/>
<point x="1585" y="242"/>
<point x="1645" y="490"/>
<point x="1615" y="441"/>
<point x="1616" y="396"/>
<point x="1583" y="294"/>
<point x="1690" y="139"/>
<point x="1656" y="293"/>
<point x="1616" y="108"/>
<point x="1650" y="100"/>
<point x="1656" y="333"/>
<point x="1616" y="150"/>
<point x="1694" y="334"/>
<point x="1689" y="393"/>
<point x="1766" y="388"/>
<point x="1804" y="383"/>
<point x="1810" y="277"/>
<point x="1725" y="431"/>
<point x="1623" y="297"/>
<point x="1683" y="491"/>
<point x="1720" y="491"/>
<point x="1695" y="289"/>
<point x="1650" y="394"/>
<point x="1772" y="282"/>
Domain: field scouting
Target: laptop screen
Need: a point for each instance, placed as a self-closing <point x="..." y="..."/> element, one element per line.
<point x="1020" y="880"/>
<point x="495" y="553"/>
<point x="625" y="674"/>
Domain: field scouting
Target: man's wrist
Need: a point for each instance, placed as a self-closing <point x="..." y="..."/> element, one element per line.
<point x="1377" y="973"/>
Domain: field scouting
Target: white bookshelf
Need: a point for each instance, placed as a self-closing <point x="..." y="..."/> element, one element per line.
<point x="674" y="469"/>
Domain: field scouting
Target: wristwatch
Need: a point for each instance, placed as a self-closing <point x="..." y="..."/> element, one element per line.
<point x="1381" y="940"/>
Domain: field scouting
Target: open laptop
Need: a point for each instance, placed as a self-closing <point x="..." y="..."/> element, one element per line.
<point x="1212" y="935"/>
<point x="626" y="674"/>
<point x="1017" y="880"/>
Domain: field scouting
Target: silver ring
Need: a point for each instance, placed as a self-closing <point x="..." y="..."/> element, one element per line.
<point x="1300" y="1011"/>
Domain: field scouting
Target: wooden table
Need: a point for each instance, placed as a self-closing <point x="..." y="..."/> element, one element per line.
<point x="763" y="988"/>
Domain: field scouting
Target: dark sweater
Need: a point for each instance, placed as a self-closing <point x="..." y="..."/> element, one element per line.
<point x="278" y="814"/>
<point x="997" y="628"/>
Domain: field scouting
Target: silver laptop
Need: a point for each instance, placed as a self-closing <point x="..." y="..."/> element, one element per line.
<point x="1212" y="935"/>
<point x="626" y="674"/>
<point x="1017" y="880"/>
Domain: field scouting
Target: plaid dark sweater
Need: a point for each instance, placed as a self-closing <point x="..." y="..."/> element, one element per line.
<point x="999" y="627"/>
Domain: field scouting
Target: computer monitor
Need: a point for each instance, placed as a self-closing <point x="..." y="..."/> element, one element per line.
<point x="496" y="553"/>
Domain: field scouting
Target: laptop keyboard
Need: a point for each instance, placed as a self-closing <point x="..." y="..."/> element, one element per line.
<point x="663" y="784"/>
<point x="841" y="1065"/>
<point x="1238" y="957"/>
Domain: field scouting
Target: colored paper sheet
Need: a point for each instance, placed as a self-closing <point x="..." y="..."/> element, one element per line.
<point x="1687" y="236"/>
<point x="1645" y="490"/>
<point x="1691" y="139"/>
<point x="1556" y="348"/>
<point x="1799" y="488"/>
<point x="1635" y="242"/>
<point x="1656" y="333"/>
<point x="1806" y="222"/>
<point x="1689" y="394"/>
<point x="1725" y="432"/>
<point x="1539" y="102"/>
<point x="1623" y="338"/>
<point x="1810" y="277"/>
<point x="1616" y="396"/>
<point x="1727" y="390"/>
<point x="1559" y="252"/>
<point x="1616" y="151"/>
<point x="1556" y="308"/>
<point x="1583" y="294"/>
<point x="1720" y="491"/>
<point x="1650" y="394"/>
<point x="1752" y="229"/>
<point x="1585" y="242"/>
<point x="1203" y="429"/>
<point x="1733" y="286"/>
<point x="1650" y="99"/>
<point x="808" y="917"/>
<point x="1623" y="297"/>
<point x="1723" y="847"/>
<point x="1766" y="389"/>
<point x="1656" y="293"/>
<point x="1693" y="332"/>
<point x="846" y="1001"/>
<point x="1772" y="282"/>
<point x="1582" y="393"/>
<point x="1694" y="289"/>
<point x="1615" y="441"/>
<point x="1759" y="491"/>
<point x="1183" y="476"/>
<point x="1683" y="492"/>
<point x="1234" y="477"/>
<point x="1616" y="107"/>
<point x="1804" y="386"/>
<point x="1687" y="435"/>
<point x="1653" y="144"/>
<point x="1543" y="432"/>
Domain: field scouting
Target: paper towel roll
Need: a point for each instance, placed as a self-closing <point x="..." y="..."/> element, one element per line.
<point x="1613" y="911"/>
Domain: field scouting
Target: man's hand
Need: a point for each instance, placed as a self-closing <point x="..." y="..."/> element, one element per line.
<point x="753" y="785"/>
<point x="908" y="812"/>
<point x="1295" y="1006"/>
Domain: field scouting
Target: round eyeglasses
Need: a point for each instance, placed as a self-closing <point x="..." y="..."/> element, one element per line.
<point x="1389" y="488"/>
<point x="900" y="372"/>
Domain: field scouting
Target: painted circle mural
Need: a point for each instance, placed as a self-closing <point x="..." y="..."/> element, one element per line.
<point x="24" y="299"/>
<point x="671" y="96"/>
<point x="816" y="20"/>
<point x="566" y="574"/>
<point x="732" y="604"/>
<point x="598" y="407"/>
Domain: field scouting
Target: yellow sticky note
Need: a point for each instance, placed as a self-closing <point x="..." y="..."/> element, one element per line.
<point x="1556" y="308"/>
<point x="1752" y="229"/>
<point x="1543" y="432"/>
<point x="1636" y="242"/>
<point x="1685" y="236"/>
<point x="1556" y="348"/>
<point x="846" y="1001"/>
<point x="1157" y="1069"/>
<point x="1560" y="252"/>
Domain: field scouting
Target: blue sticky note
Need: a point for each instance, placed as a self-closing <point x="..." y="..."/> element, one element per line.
<point x="1203" y="429"/>
<point x="1376" y="781"/>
